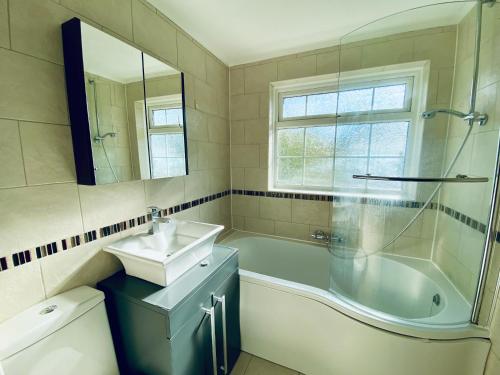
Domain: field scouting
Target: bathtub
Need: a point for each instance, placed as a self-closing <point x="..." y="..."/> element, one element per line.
<point x="320" y="314"/>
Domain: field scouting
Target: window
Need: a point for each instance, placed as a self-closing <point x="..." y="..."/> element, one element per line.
<point x="166" y="137"/>
<point x="325" y="129"/>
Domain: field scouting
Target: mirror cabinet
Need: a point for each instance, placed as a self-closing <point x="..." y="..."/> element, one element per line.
<point x="126" y="108"/>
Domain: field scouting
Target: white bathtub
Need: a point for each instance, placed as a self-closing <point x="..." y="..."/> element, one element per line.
<point x="318" y="314"/>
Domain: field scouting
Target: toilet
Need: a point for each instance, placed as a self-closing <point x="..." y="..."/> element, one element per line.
<point x="65" y="334"/>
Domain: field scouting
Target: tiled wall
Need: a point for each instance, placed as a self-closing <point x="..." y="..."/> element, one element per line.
<point x="40" y="203"/>
<point x="298" y="218"/>
<point x="458" y="249"/>
<point x="110" y="100"/>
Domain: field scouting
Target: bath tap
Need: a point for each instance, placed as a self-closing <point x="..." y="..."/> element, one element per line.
<point x="323" y="236"/>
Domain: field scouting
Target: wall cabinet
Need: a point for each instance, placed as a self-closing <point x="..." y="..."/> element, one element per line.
<point x="190" y="327"/>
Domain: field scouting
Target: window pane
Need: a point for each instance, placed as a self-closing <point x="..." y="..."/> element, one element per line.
<point x="319" y="172"/>
<point x="159" y="167"/>
<point x="159" y="117"/>
<point x="174" y="116"/>
<point x="291" y="142"/>
<point x="320" y="141"/>
<point x="355" y="100"/>
<point x="176" y="167"/>
<point x="158" y="145"/>
<point x="389" y="139"/>
<point x="290" y="171"/>
<point x="389" y="97"/>
<point x="175" y="145"/>
<point x="386" y="167"/>
<point x="294" y="106"/>
<point x="345" y="168"/>
<point x="352" y="140"/>
<point x="321" y="104"/>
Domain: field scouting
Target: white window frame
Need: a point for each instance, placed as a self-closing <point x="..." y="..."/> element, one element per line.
<point x="415" y="73"/>
<point x="162" y="102"/>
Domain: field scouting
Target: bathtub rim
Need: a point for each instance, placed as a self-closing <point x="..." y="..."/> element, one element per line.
<point x="386" y="322"/>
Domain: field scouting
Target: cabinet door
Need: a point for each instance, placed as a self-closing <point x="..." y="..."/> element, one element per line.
<point x="230" y="291"/>
<point x="192" y="345"/>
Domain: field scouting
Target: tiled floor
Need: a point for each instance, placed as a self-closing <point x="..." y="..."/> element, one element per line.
<point x="251" y="365"/>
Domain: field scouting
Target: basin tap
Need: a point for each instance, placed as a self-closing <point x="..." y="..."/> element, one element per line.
<point x="323" y="236"/>
<point x="156" y="219"/>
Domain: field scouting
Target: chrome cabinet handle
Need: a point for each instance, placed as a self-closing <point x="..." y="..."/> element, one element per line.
<point x="211" y="313"/>
<point x="222" y="300"/>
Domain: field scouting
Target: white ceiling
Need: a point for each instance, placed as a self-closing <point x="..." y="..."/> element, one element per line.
<point x="242" y="31"/>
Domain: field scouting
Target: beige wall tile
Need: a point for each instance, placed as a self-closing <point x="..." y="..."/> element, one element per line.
<point x="310" y="212"/>
<point x="238" y="178"/>
<point x="197" y="125"/>
<point x="153" y="33"/>
<point x="20" y="288"/>
<point x="256" y="179"/>
<point x="350" y="58"/>
<point x="256" y="225"/>
<point x="245" y="107"/>
<point x="237" y="79"/>
<point x="292" y="230"/>
<point x="245" y="205"/>
<point x="387" y="53"/>
<point x="205" y="98"/>
<point x="107" y="204"/>
<point x="82" y="265"/>
<point x="165" y="192"/>
<point x="217" y="74"/>
<point x="245" y="156"/>
<point x="36" y="28"/>
<point x="48" y="153"/>
<point x="4" y="24"/>
<point x="11" y="158"/>
<point x="218" y="130"/>
<point x="197" y="185"/>
<point x="114" y="14"/>
<point x="258" y="77"/>
<point x="437" y="47"/>
<point x="237" y="132"/>
<point x="275" y="208"/>
<point x="51" y="212"/>
<point x="191" y="57"/>
<point x="328" y="62"/>
<point x="238" y="222"/>
<point x="37" y="90"/>
<point x="297" y="67"/>
<point x="256" y="131"/>
<point x="219" y="180"/>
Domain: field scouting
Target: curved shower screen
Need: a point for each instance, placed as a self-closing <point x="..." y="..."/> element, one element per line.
<point x="405" y="165"/>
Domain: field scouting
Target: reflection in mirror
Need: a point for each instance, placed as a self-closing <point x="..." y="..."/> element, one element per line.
<point x="111" y="67"/>
<point x="165" y="137"/>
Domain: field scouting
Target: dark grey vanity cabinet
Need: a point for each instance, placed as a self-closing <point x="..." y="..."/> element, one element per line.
<point x="171" y="330"/>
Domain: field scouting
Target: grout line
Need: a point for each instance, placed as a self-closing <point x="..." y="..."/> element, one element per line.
<point x="22" y="154"/>
<point x="9" y="24"/>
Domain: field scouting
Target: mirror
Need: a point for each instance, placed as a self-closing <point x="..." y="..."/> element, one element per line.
<point x="126" y="109"/>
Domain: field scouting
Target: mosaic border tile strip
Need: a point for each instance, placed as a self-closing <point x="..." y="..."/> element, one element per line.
<point x="28" y="255"/>
<point x="25" y="256"/>
<point x="457" y="215"/>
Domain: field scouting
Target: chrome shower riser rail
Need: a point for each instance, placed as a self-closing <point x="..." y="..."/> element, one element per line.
<point x="458" y="179"/>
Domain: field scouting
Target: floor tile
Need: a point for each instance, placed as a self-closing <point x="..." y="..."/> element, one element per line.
<point x="259" y="366"/>
<point x="242" y="364"/>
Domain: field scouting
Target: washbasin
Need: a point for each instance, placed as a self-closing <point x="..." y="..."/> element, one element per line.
<point x="162" y="257"/>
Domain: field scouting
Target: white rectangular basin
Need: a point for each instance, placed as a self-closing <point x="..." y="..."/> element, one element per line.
<point x="164" y="256"/>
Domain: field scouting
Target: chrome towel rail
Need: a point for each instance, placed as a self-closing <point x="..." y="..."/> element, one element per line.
<point x="459" y="178"/>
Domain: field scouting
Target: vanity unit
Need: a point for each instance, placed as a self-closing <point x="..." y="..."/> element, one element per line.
<point x="192" y="326"/>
